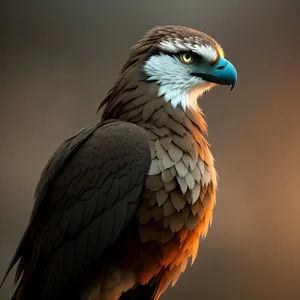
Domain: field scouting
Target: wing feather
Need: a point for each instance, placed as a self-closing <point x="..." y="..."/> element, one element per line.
<point x="87" y="194"/>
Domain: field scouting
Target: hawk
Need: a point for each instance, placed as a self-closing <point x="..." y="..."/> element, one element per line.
<point x="122" y="204"/>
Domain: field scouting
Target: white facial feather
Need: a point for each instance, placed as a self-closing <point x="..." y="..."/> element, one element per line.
<point x="175" y="81"/>
<point x="206" y="51"/>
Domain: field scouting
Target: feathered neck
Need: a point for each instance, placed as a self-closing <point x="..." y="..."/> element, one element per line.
<point x="133" y="94"/>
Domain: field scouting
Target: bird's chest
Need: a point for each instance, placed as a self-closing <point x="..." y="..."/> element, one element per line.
<point x="175" y="191"/>
<point x="176" y="204"/>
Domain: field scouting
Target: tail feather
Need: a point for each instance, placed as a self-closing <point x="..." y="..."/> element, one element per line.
<point x="16" y="257"/>
<point x="145" y="292"/>
<point x="19" y="292"/>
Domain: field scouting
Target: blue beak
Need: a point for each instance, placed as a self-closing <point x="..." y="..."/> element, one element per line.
<point x="223" y="72"/>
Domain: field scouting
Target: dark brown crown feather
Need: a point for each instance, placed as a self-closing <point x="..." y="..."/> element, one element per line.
<point x="148" y="46"/>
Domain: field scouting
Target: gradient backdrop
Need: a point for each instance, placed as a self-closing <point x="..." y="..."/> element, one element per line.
<point x="60" y="58"/>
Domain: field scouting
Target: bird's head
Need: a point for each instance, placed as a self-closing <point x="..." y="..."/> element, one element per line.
<point x="185" y="63"/>
<point x="182" y="62"/>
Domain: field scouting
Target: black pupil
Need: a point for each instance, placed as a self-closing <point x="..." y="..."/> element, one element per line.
<point x="187" y="57"/>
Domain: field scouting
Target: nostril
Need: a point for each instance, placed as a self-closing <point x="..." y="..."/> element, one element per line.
<point x="221" y="67"/>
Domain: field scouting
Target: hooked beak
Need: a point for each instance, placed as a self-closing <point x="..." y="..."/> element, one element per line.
<point x="223" y="72"/>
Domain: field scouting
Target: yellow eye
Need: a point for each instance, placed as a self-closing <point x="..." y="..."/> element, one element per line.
<point x="186" y="58"/>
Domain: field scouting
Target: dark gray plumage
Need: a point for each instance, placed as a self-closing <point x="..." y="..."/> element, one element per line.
<point x="97" y="175"/>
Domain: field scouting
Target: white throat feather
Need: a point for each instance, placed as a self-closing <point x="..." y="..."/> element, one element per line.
<point x="176" y="84"/>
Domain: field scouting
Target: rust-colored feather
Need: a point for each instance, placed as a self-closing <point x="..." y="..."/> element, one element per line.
<point x="176" y="207"/>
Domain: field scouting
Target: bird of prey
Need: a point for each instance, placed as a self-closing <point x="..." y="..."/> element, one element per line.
<point x="122" y="204"/>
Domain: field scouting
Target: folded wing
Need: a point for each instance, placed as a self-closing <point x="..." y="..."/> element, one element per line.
<point x="87" y="194"/>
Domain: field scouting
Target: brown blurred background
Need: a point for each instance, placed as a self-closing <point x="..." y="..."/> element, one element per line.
<point x="59" y="59"/>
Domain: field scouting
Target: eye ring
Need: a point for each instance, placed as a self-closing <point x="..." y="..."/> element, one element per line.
<point x="186" y="58"/>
